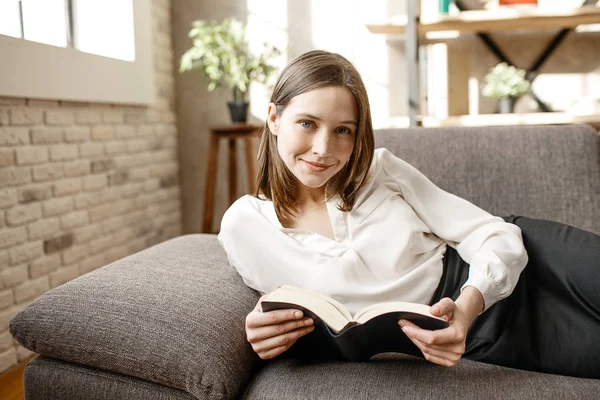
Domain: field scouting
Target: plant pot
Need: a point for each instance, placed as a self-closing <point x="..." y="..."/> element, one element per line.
<point x="238" y="111"/>
<point x="507" y="106"/>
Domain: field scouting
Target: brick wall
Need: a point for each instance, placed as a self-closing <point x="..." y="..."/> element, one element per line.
<point x="82" y="185"/>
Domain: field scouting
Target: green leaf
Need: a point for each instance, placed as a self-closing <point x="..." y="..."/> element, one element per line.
<point x="504" y="81"/>
<point x="220" y="51"/>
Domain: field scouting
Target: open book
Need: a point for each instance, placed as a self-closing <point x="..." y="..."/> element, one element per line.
<point x="373" y="329"/>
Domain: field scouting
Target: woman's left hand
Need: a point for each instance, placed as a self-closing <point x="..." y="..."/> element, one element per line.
<point x="446" y="346"/>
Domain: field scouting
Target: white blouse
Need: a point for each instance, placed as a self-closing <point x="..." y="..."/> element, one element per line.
<point x="390" y="247"/>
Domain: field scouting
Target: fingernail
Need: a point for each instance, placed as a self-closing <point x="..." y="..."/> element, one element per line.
<point x="402" y="323"/>
<point x="308" y="321"/>
<point x="298" y="314"/>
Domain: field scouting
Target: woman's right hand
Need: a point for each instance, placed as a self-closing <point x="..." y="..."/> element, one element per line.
<point x="273" y="332"/>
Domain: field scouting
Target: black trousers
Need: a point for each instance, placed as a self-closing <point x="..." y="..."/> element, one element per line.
<point x="551" y="321"/>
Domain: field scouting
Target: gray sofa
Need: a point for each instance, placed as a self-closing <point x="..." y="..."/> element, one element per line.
<point x="168" y="322"/>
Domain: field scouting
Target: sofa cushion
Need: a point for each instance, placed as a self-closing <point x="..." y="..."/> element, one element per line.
<point x="76" y="382"/>
<point x="172" y="314"/>
<point x="396" y="376"/>
<point x="544" y="172"/>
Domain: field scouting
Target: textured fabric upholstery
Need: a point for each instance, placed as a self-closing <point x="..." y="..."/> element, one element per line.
<point x="546" y="172"/>
<point x="393" y="376"/>
<point x="50" y="379"/>
<point x="173" y="314"/>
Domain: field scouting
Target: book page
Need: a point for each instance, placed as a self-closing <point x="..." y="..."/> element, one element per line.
<point x="334" y="302"/>
<point x="372" y="311"/>
<point x="323" y="308"/>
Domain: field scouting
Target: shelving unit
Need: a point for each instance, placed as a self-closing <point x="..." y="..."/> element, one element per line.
<point x="414" y="31"/>
<point x="556" y="118"/>
<point x="502" y="19"/>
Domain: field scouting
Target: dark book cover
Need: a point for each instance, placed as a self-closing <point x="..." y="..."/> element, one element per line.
<point x="359" y="342"/>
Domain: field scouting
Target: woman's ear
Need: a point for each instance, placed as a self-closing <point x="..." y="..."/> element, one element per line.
<point x="272" y="118"/>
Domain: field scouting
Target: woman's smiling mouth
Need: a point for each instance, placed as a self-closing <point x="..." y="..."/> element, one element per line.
<point x="316" y="167"/>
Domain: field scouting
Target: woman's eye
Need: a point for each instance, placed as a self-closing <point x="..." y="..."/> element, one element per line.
<point x="305" y="124"/>
<point x="344" y="131"/>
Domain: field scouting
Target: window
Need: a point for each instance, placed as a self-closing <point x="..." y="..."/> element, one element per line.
<point x="81" y="24"/>
<point x="44" y="21"/>
<point x="10" y="19"/>
<point x="90" y="28"/>
<point x="80" y="50"/>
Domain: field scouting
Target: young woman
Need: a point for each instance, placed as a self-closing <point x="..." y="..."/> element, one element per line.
<point x="334" y="215"/>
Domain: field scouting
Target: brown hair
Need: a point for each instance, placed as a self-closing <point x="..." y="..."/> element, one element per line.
<point x="313" y="70"/>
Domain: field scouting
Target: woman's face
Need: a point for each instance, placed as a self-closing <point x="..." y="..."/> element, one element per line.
<point x="316" y="133"/>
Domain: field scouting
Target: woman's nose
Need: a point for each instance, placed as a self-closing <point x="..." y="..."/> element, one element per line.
<point x="322" y="143"/>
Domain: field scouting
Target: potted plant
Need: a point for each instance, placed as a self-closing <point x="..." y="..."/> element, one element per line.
<point x="220" y="51"/>
<point x="505" y="83"/>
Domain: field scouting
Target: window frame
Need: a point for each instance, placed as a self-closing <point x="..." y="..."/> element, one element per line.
<point x="35" y="70"/>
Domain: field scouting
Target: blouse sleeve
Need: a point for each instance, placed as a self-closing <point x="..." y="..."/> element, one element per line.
<point x="493" y="248"/>
<point x="232" y="240"/>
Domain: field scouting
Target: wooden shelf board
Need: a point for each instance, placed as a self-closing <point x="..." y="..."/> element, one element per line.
<point x="555" y="118"/>
<point x="502" y="19"/>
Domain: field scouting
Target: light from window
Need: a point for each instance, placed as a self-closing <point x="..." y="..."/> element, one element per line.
<point x="10" y="23"/>
<point x="44" y="21"/>
<point x="104" y="28"/>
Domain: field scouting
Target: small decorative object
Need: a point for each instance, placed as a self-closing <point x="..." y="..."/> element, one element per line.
<point x="478" y="4"/>
<point x="505" y="83"/>
<point x="444" y="6"/>
<point x="220" y="51"/>
<point x="516" y="2"/>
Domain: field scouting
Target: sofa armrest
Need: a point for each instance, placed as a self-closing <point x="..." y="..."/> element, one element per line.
<point x="172" y="314"/>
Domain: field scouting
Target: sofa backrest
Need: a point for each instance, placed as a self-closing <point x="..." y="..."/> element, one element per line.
<point x="546" y="172"/>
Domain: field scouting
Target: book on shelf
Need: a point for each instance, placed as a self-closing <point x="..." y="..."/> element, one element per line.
<point x="371" y="330"/>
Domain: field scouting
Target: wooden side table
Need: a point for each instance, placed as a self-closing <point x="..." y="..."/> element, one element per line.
<point x="232" y="132"/>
